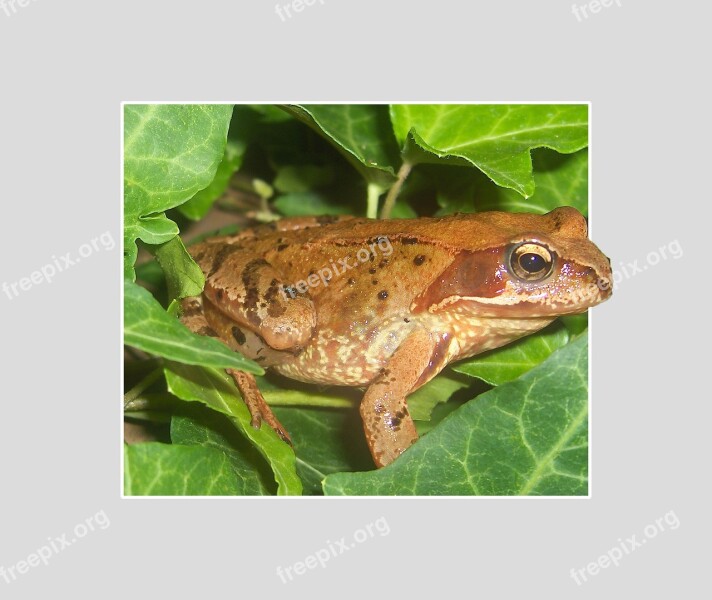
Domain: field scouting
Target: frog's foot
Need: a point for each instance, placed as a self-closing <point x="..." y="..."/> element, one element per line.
<point x="259" y="409"/>
<point x="387" y="423"/>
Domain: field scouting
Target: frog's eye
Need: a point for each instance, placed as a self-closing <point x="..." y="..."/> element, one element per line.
<point x="531" y="261"/>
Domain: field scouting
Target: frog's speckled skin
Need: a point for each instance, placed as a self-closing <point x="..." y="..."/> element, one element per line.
<point x="388" y="304"/>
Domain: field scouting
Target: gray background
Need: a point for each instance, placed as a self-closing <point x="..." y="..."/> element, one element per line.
<point x="65" y="68"/>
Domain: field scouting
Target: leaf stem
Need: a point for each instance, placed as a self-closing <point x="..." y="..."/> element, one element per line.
<point x="373" y="192"/>
<point x="136" y="390"/>
<point x="392" y="195"/>
<point x="292" y="398"/>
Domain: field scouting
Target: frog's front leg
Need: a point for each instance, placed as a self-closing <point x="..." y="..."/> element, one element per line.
<point x="252" y="293"/>
<point x="387" y="423"/>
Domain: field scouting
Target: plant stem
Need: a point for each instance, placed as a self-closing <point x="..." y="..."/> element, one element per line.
<point x="136" y="390"/>
<point x="373" y="192"/>
<point x="392" y="195"/>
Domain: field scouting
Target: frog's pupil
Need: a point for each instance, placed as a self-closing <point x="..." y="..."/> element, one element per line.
<point x="532" y="263"/>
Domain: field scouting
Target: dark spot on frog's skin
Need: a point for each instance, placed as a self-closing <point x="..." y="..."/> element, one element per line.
<point x="282" y="247"/>
<point x="205" y="330"/>
<point x="406" y="319"/>
<point x="409" y="240"/>
<point x="222" y="255"/>
<point x="419" y="260"/>
<point x="219" y="294"/>
<point x="198" y="256"/>
<point x="260" y="358"/>
<point x="351" y="281"/>
<point x="327" y="219"/>
<point x="394" y="422"/>
<point x="374" y="281"/>
<point x="379" y="409"/>
<point x="558" y="222"/>
<point x="383" y="294"/>
<point x="372" y="270"/>
<point x="238" y="335"/>
<point x="383" y="263"/>
<point x="191" y="309"/>
<point x="250" y="279"/>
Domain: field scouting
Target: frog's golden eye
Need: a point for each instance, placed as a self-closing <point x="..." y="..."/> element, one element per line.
<point x="531" y="261"/>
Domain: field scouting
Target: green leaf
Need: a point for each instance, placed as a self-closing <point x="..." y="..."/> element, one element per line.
<point x="325" y="441"/>
<point x="298" y="204"/>
<point x="154" y="469"/>
<point x="497" y="139"/>
<point x="525" y="437"/>
<point x="170" y="153"/>
<point x="422" y="402"/>
<point x="560" y="179"/>
<point x="198" y="206"/>
<point x="303" y="178"/>
<point x="576" y="324"/>
<point x="210" y="429"/>
<point x="513" y="360"/>
<point x="183" y="276"/>
<point x="149" y="328"/>
<point x="217" y="390"/>
<point x="361" y="132"/>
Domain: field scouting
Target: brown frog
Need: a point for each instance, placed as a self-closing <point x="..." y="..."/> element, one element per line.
<point x="387" y="304"/>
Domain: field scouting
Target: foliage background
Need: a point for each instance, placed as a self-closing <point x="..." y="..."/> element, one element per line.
<point x="512" y="421"/>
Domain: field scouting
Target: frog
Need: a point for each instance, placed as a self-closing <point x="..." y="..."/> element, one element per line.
<point x="385" y="305"/>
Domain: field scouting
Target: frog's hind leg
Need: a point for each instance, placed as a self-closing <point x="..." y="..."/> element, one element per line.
<point x="194" y="319"/>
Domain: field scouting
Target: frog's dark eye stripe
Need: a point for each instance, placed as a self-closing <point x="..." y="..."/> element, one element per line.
<point x="531" y="261"/>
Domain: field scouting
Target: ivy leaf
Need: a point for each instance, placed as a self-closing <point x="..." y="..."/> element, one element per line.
<point x="525" y="437"/>
<point x="184" y="277"/>
<point x="422" y="402"/>
<point x="497" y="139"/>
<point x="361" y="132"/>
<point x="217" y="390"/>
<point x="325" y="441"/>
<point x="210" y="429"/>
<point x="198" y="206"/>
<point x="170" y="153"/>
<point x="150" y="328"/>
<point x="513" y="360"/>
<point x="296" y="204"/>
<point x="154" y="469"/>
